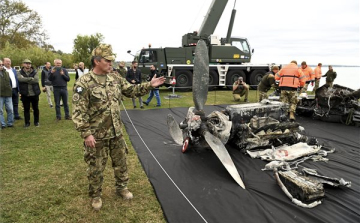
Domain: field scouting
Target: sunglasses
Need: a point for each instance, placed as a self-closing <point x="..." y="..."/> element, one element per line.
<point x="1" y="65"/>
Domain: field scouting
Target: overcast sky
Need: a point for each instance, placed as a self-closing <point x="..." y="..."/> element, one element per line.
<point x="279" y="30"/>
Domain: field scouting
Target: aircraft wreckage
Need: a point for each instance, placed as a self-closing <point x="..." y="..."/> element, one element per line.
<point x="329" y="104"/>
<point x="261" y="130"/>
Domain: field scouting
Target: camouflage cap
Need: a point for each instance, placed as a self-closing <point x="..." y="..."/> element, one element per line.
<point x="122" y="63"/>
<point x="26" y="61"/>
<point x="105" y="51"/>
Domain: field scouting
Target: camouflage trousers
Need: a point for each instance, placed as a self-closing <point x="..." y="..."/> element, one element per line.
<point x="262" y="95"/>
<point x="97" y="157"/>
<point x="317" y="83"/>
<point x="290" y="98"/>
<point x="330" y="83"/>
<point x="245" y="92"/>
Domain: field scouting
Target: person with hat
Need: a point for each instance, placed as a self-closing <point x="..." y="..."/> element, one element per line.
<point x="240" y="88"/>
<point x="122" y="69"/>
<point x="30" y="91"/>
<point x="267" y="81"/>
<point x="59" y="78"/>
<point x="96" y="115"/>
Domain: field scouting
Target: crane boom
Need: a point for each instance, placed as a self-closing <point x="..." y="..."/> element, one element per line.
<point x="212" y="18"/>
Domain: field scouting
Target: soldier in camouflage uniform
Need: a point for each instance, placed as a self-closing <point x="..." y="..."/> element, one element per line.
<point x="330" y="76"/>
<point x="240" y="88"/>
<point x="122" y="70"/>
<point x="96" y="114"/>
<point x="267" y="82"/>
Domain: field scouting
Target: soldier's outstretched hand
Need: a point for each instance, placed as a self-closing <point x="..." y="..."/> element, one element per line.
<point x="157" y="81"/>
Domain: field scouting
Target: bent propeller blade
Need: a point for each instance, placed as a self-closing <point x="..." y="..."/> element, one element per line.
<point x="201" y="75"/>
<point x="219" y="149"/>
<point x="174" y="129"/>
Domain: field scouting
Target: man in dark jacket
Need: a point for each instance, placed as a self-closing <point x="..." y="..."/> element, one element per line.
<point x="59" y="78"/>
<point x="46" y="84"/>
<point x="133" y="76"/>
<point x="267" y="81"/>
<point x="330" y="77"/>
<point x="5" y="97"/>
<point x="30" y="91"/>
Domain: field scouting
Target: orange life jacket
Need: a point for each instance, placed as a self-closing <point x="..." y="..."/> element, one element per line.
<point x="309" y="74"/>
<point x="290" y="76"/>
<point x="318" y="72"/>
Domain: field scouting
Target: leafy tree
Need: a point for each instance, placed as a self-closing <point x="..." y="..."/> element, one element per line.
<point x="37" y="55"/>
<point x="84" y="45"/>
<point x="20" y="25"/>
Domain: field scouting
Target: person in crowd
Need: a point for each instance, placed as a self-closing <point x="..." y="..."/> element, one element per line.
<point x="59" y="78"/>
<point x="122" y="69"/>
<point x="240" y="88"/>
<point x="133" y="76"/>
<point x="318" y="74"/>
<point x="330" y="77"/>
<point x="154" y="91"/>
<point x="96" y="114"/>
<point x="46" y="84"/>
<point x="290" y="78"/>
<point x="5" y="98"/>
<point x="80" y="71"/>
<point x="30" y="91"/>
<point x="15" y="87"/>
<point x="309" y="75"/>
<point x="267" y="81"/>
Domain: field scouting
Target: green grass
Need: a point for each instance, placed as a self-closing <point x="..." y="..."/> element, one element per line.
<point x="43" y="175"/>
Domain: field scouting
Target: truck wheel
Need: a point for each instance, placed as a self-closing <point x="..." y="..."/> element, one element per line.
<point x="232" y="76"/>
<point x="213" y="80"/>
<point x="255" y="78"/>
<point x="183" y="80"/>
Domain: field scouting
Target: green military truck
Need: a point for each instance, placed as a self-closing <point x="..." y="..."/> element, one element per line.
<point x="229" y="57"/>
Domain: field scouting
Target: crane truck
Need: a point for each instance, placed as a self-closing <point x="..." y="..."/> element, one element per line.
<point x="229" y="58"/>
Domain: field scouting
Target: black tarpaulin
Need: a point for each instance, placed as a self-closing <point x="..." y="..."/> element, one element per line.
<point x="195" y="187"/>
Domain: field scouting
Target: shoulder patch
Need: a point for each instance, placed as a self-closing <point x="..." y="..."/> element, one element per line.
<point x="76" y="97"/>
<point x="79" y="89"/>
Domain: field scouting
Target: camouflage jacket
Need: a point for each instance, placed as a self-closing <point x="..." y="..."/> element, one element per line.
<point x="267" y="82"/>
<point x="122" y="72"/>
<point x="96" y="107"/>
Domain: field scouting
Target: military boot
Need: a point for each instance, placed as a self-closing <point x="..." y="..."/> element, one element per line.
<point x="292" y="116"/>
<point x="125" y="194"/>
<point x="96" y="203"/>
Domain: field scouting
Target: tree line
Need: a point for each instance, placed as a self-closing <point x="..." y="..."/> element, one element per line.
<point x="22" y="36"/>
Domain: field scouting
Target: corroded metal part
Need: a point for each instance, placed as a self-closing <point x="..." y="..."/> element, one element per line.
<point x="201" y="75"/>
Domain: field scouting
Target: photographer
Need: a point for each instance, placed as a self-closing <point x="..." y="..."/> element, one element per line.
<point x="240" y="88"/>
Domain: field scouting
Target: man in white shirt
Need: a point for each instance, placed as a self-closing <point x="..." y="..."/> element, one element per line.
<point x="80" y="71"/>
<point x="15" y="87"/>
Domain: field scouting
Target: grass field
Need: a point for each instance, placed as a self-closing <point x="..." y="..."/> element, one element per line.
<point x="43" y="175"/>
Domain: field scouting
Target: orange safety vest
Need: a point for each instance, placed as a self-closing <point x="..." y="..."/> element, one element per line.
<point x="290" y="76"/>
<point x="309" y="73"/>
<point x="318" y="72"/>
